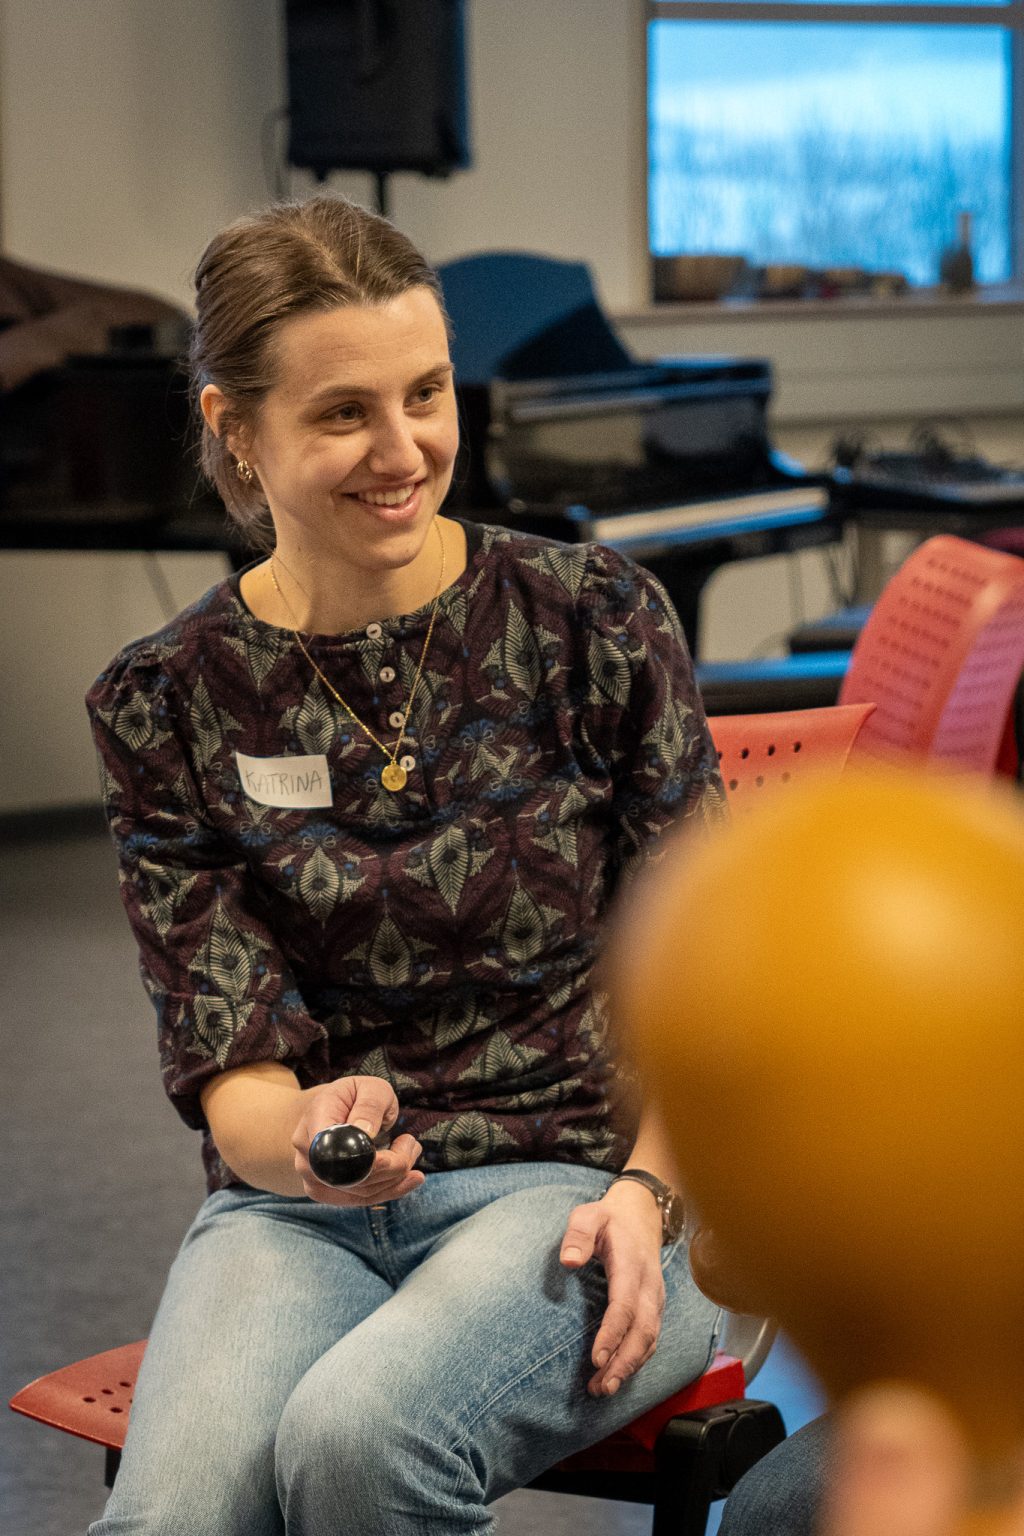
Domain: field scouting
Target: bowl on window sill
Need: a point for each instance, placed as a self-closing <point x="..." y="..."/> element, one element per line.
<point x="784" y="281"/>
<point x="694" y="278"/>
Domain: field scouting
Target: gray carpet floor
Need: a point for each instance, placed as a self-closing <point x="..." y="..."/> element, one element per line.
<point x="100" y="1180"/>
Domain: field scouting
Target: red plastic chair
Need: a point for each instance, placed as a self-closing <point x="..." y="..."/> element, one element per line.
<point x="679" y="1457"/>
<point x="758" y="752"/>
<point x="941" y="655"/>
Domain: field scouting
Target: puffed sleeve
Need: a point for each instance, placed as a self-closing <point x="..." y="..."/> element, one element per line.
<point x="224" y="995"/>
<point x="643" y="716"/>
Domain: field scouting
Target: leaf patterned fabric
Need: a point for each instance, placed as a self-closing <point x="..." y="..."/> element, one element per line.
<point x="443" y="937"/>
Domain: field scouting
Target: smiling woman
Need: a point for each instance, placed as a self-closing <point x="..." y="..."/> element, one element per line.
<point x="372" y="798"/>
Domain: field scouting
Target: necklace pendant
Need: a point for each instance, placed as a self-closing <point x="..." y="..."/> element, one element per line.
<point x="393" y="777"/>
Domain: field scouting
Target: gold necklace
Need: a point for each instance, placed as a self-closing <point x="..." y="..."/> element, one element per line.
<point x="393" y="776"/>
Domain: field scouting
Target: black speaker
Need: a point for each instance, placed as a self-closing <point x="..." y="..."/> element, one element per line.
<point x="377" y="85"/>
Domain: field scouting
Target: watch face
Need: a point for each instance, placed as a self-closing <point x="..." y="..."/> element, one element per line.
<point x="673" y="1217"/>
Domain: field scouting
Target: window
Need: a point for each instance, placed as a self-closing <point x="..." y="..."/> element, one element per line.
<point x="835" y="135"/>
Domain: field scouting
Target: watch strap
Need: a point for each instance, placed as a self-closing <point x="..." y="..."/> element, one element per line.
<point x="668" y="1202"/>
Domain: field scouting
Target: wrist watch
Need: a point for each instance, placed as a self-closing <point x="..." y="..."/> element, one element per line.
<point x="673" y="1211"/>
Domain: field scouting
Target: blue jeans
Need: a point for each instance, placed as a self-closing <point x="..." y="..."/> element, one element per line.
<point x="781" y="1495"/>
<point x="382" y="1372"/>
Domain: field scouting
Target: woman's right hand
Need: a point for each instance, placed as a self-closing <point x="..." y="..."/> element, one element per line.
<point x="369" y="1103"/>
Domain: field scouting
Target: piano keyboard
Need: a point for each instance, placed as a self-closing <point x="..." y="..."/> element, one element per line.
<point x="623" y="529"/>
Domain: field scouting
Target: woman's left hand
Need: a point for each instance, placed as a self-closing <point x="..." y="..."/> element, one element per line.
<point x="623" y="1231"/>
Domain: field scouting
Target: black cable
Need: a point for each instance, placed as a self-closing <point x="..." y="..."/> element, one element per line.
<point x="275" y="168"/>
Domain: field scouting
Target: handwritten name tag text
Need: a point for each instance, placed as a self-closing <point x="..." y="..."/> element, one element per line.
<point x="288" y="782"/>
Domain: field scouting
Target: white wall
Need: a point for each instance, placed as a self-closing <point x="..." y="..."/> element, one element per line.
<point x="130" y="130"/>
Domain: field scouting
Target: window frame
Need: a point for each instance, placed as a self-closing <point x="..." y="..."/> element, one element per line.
<point x="1009" y="17"/>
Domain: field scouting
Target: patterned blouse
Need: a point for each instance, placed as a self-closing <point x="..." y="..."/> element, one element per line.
<point x="288" y="907"/>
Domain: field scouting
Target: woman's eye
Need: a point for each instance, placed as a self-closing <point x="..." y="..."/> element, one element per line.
<point x="347" y="413"/>
<point x="426" y="393"/>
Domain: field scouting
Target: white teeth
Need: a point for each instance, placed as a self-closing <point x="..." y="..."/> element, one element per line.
<point x="388" y="498"/>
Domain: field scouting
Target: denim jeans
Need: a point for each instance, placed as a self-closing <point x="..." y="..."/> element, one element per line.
<point x="382" y="1372"/>
<point x="781" y="1495"/>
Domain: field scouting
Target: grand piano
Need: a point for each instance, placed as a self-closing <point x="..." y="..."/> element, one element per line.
<point x="670" y="463"/>
<point x="566" y="434"/>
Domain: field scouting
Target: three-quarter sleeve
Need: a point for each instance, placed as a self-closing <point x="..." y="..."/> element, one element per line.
<point x="643" y="713"/>
<point x="223" y="994"/>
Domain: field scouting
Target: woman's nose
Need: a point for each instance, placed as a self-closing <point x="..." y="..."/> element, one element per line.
<point x="394" y="451"/>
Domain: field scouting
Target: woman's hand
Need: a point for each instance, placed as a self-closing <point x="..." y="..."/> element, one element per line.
<point x="623" y="1231"/>
<point x="369" y="1103"/>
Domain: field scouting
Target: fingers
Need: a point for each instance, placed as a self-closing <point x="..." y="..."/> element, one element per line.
<point x="627" y="1337"/>
<point x="630" y="1328"/>
<point x="370" y="1104"/>
<point x="367" y="1102"/>
<point x="392" y="1176"/>
<point x="373" y="1107"/>
<point x="580" y="1235"/>
<point x="622" y="1241"/>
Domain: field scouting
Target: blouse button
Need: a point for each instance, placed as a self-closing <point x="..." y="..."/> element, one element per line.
<point x="373" y="631"/>
<point x="387" y="674"/>
<point x="396" y="717"/>
<point x="407" y="762"/>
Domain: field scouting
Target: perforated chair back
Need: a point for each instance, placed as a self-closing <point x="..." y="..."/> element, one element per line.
<point x="759" y="752"/>
<point x="941" y="656"/>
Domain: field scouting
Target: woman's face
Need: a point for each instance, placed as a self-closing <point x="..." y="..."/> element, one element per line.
<point x="355" y="442"/>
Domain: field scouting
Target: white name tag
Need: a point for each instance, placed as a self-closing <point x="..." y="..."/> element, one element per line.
<point x="297" y="782"/>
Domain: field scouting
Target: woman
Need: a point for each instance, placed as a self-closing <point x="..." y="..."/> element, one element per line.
<point x="372" y="798"/>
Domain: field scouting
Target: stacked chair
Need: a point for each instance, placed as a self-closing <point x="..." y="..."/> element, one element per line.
<point x="940" y="654"/>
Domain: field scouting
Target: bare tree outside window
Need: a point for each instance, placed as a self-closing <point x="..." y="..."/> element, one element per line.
<point x="829" y="144"/>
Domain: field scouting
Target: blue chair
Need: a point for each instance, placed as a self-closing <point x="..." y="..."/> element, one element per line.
<point x="518" y="315"/>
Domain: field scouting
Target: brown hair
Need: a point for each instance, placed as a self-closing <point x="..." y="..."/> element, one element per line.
<point x="259" y="272"/>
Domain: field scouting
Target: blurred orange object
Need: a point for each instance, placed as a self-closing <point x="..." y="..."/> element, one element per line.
<point x="827" y="1000"/>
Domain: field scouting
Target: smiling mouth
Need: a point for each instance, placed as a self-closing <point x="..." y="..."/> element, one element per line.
<point x="395" y="498"/>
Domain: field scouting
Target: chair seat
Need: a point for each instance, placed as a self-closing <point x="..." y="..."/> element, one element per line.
<point x="679" y="1457"/>
<point x="632" y="1449"/>
<point x="90" y="1398"/>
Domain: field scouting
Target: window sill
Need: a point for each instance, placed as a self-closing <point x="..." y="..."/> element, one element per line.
<point x="926" y="353"/>
<point x="932" y="302"/>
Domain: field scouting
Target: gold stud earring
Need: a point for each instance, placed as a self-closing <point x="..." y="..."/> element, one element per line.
<point x="243" y="469"/>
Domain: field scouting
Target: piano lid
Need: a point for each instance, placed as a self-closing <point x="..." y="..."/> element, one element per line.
<point x="633" y="438"/>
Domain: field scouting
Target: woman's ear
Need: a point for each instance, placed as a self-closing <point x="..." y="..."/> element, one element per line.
<point x="214" y="406"/>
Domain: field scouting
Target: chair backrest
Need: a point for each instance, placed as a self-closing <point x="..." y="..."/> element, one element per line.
<point x="941" y="655"/>
<point x="749" y="1339"/>
<point x="756" y="752"/>
<point x="520" y="315"/>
